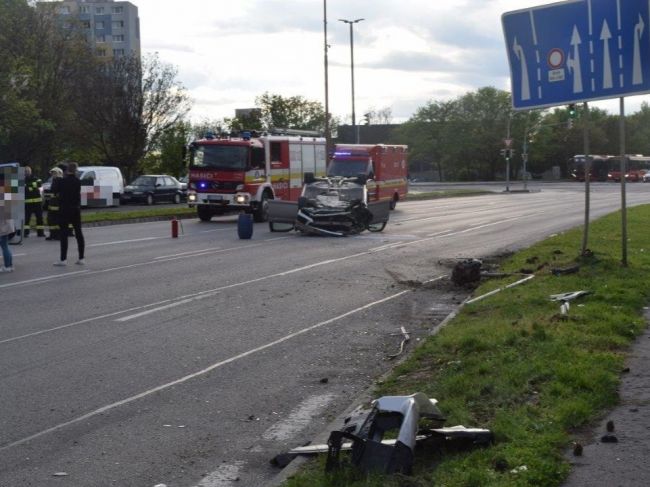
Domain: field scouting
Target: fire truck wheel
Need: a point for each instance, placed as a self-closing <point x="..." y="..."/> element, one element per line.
<point x="261" y="213"/>
<point x="205" y="214"/>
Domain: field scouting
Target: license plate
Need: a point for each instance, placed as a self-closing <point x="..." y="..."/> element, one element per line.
<point x="215" y="197"/>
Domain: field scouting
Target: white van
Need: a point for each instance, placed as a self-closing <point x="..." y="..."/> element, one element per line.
<point x="100" y="186"/>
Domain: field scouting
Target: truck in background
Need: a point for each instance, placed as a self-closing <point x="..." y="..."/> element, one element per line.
<point x="384" y="166"/>
<point x="242" y="173"/>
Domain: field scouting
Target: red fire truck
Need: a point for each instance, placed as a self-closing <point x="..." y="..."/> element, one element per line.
<point x="242" y="173"/>
<point x="385" y="167"/>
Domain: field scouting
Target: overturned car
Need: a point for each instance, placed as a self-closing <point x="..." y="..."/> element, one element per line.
<point x="335" y="206"/>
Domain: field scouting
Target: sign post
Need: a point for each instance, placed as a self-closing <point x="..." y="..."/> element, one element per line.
<point x="578" y="51"/>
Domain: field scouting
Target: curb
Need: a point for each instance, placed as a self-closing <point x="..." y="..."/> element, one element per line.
<point x="364" y="397"/>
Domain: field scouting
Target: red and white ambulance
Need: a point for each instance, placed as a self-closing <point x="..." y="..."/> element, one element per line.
<point x="242" y="173"/>
<point x="384" y="166"/>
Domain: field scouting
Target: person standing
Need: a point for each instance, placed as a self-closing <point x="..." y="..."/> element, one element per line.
<point x="6" y="229"/>
<point x="33" y="202"/>
<point x="53" y="207"/>
<point x="68" y="188"/>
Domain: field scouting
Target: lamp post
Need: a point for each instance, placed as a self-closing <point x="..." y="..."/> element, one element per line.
<point x="354" y="121"/>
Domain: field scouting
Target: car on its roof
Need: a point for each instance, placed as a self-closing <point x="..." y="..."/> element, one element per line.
<point x="335" y="206"/>
<point x="153" y="188"/>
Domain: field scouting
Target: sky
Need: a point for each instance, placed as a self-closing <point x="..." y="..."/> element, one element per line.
<point x="406" y="53"/>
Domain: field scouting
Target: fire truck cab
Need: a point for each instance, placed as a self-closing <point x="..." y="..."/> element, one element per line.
<point x="241" y="173"/>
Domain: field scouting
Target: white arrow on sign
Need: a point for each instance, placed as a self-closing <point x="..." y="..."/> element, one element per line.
<point x="525" y="83"/>
<point x="637" y="75"/>
<point x="574" y="62"/>
<point x="605" y="36"/>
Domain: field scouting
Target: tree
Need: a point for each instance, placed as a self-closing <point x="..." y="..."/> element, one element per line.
<point x="134" y="103"/>
<point x="291" y="113"/>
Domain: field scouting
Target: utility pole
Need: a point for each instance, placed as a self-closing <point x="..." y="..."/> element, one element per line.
<point x="327" y="103"/>
<point x="351" y="23"/>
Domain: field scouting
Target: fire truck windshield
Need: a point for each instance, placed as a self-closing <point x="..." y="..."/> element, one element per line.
<point x="347" y="168"/>
<point x="224" y="157"/>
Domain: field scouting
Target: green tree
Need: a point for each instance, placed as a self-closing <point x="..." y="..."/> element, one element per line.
<point x="134" y="103"/>
<point x="291" y="113"/>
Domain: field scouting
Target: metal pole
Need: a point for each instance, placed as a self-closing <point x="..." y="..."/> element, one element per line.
<point x="354" y="119"/>
<point x="508" y="158"/>
<point x="585" y="138"/>
<point x="355" y="128"/>
<point x="327" y="101"/>
<point x="623" y="171"/>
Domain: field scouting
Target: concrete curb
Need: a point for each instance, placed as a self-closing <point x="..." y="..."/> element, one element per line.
<point x="364" y="398"/>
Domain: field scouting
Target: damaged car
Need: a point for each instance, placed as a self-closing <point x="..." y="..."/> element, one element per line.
<point x="334" y="206"/>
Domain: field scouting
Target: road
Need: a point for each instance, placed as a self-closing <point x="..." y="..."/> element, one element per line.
<point x="193" y="361"/>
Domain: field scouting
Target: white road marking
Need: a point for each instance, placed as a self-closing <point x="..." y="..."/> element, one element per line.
<point x="187" y="253"/>
<point x="119" y="242"/>
<point x="43" y="279"/>
<point x="299" y="418"/>
<point x="199" y="373"/>
<point x="167" y="306"/>
<point x="224" y="476"/>
<point x="87" y="320"/>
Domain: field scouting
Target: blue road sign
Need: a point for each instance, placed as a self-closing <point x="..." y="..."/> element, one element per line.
<point x="578" y="50"/>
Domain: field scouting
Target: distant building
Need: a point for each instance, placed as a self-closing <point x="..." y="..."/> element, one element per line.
<point x="112" y="28"/>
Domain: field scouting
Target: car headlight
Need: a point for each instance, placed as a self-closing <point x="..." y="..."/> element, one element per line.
<point x="241" y="199"/>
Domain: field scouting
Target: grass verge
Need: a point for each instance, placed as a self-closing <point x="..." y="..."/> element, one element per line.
<point x="110" y="216"/>
<point x="514" y="364"/>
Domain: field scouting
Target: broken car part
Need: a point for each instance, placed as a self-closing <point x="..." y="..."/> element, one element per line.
<point x="366" y="433"/>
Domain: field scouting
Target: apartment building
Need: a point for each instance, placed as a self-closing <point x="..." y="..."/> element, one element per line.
<point x="113" y="27"/>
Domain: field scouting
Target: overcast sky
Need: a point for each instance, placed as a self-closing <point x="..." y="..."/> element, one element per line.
<point x="406" y="53"/>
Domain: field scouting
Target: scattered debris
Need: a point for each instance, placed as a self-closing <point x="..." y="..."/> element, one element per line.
<point x="609" y="439"/>
<point x="324" y="380"/>
<point x="501" y="465"/>
<point x="610" y="426"/>
<point x="577" y="449"/>
<point x="565" y="298"/>
<point x="570" y="296"/>
<point x="60" y="474"/>
<point x="466" y="271"/>
<point x="407" y="337"/>
<point x="516" y="283"/>
<point x="560" y="271"/>
<point x="522" y="468"/>
<point x="366" y="432"/>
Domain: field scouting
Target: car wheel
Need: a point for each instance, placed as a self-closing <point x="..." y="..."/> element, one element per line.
<point x="261" y="213"/>
<point x="177" y="198"/>
<point x="377" y="227"/>
<point x="149" y="200"/>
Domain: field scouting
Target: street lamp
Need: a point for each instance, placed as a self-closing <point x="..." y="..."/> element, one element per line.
<point x="354" y="121"/>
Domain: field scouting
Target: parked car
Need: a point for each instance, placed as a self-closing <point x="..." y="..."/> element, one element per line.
<point x="184" y="181"/>
<point x="100" y="186"/>
<point x="646" y="177"/>
<point x="152" y="188"/>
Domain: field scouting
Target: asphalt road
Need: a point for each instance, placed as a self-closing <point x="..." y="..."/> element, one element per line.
<point x="193" y="361"/>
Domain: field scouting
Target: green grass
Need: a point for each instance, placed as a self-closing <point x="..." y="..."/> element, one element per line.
<point x="111" y="216"/>
<point x="514" y="364"/>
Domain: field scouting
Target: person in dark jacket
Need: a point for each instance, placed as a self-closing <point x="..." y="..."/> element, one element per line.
<point x="53" y="207"/>
<point x="33" y="202"/>
<point x="69" y="190"/>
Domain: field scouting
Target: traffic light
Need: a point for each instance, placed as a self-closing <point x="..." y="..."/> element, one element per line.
<point x="572" y="110"/>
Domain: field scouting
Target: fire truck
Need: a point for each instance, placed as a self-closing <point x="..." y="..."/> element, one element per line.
<point x="241" y="173"/>
<point x="384" y="166"/>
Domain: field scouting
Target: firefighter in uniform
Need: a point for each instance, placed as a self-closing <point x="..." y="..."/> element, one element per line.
<point x="33" y="202"/>
<point x="53" y="207"/>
